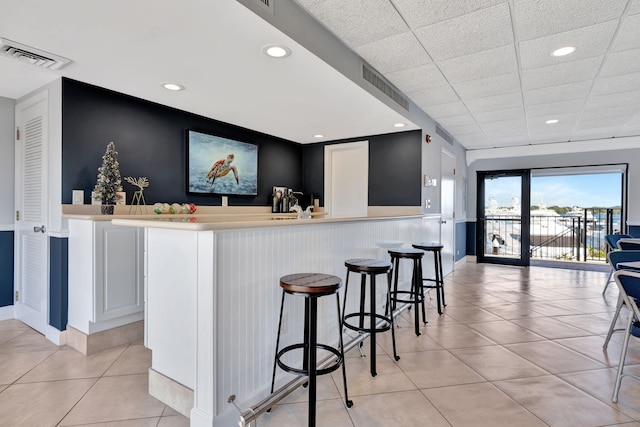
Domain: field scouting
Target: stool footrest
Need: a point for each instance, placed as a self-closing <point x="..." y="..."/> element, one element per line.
<point x="394" y="296"/>
<point x="303" y="371"/>
<point x="383" y="328"/>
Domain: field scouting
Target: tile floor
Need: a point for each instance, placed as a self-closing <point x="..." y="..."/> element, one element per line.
<point x="515" y="347"/>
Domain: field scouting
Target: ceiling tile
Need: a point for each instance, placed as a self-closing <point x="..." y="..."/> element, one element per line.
<point x="539" y="18"/>
<point x="613" y="100"/>
<point x="421" y="13"/>
<point x="623" y="111"/>
<point x="500" y="115"/>
<point x="496" y="85"/>
<point x="438" y="112"/>
<point x="465" y="130"/>
<point x="398" y="52"/>
<point x="466" y="119"/>
<point x="480" y="65"/>
<point x="634" y="8"/>
<point x="492" y="103"/>
<point x="569" y="91"/>
<point x="588" y="134"/>
<point x="433" y="96"/>
<point x="566" y="122"/>
<point x="567" y="72"/>
<point x="508" y="133"/>
<point x="589" y="41"/>
<point x="480" y="30"/>
<point x="505" y="124"/>
<point x="556" y="137"/>
<point x="616" y="84"/>
<point x="602" y="122"/>
<point x="359" y="22"/>
<point x="618" y="63"/>
<point x="573" y="106"/>
<point x="509" y="141"/>
<point x="629" y="34"/>
<point x="414" y="79"/>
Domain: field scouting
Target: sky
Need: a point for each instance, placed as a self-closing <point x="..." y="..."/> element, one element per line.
<point x="585" y="191"/>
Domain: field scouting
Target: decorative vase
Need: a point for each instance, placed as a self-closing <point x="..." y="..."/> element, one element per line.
<point x="106" y="209"/>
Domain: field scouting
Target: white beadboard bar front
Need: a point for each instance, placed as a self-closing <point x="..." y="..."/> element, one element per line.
<point x="213" y="296"/>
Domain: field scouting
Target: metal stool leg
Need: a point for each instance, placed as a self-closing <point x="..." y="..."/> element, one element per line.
<point x="415" y="288"/>
<point x="275" y="356"/>
<point x="348" y="402"/>
<point x="441" y="277"/>
<point x="311" y="337"/>
<point x="391" y="316"/>
<point x="372" y="322"/>
<point x="419" y="288"/>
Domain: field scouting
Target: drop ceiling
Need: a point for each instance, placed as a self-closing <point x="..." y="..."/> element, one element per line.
<point x="482" y="69"/>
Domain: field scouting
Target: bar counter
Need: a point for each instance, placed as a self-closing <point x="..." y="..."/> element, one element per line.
<point x="212" y="297"/>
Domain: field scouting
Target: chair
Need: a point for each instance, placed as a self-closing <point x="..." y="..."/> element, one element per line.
<point x="612" y="243"/>
<point x="614" y="259"/>
<point x="629" y="244"/>
<point x="629" y="285"/>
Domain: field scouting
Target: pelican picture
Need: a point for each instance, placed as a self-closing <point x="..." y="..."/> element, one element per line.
<point x="218" y="165"/>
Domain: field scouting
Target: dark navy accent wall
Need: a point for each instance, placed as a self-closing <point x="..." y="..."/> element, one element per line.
<point x="461" y="240"/>
<point x="395" y="168"/>
<point x="150" y="140"/>
<point x="634" y="230"/>
<point x="58" y="282"/>
<point x="471" y="238"/>
<point x="6" y="268"/>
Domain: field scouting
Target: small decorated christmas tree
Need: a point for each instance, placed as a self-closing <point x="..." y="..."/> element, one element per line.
<point x="109" y="182"/>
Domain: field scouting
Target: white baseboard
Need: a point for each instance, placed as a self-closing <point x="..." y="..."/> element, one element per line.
<point x="55" y="336"/>
<point x="7" y="312"/>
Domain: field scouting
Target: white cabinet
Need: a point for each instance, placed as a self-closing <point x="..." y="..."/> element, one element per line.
<point x="106" y="275"/>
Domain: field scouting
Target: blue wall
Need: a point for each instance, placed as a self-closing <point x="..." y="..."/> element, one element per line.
<point x="6" y="268"/>
<point x="58" y="282"/>
<point x="471" y="238"/>
<point x="461" y="240"/>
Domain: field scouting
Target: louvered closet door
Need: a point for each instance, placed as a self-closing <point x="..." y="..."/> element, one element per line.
<point x="31" y="248"/>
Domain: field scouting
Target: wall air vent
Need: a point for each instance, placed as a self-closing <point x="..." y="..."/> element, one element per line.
<point x="31" y="55"/>
<point x="381" y="84"/>
<point x="444" y="134"/>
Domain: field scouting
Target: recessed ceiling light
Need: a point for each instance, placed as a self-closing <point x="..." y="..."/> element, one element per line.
<point x="172" y="86"/>
<point x="276" y="51"/>
<point x="318" y="135"/>
<point x="564" y="51"/>
<point x="551" y="121"/>
<point x="399" y="125"/>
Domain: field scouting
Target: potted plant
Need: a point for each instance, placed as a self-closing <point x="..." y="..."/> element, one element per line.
<point x="109" y="182"/>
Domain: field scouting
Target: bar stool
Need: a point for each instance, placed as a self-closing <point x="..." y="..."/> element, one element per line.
<point x="415" y="295"/>
<point x="311" y="286"/>
<point x="438" y="282"/>
<point x="370" y="267"/>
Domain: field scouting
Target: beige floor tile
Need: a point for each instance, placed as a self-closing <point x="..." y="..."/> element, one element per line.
<point x="560" y="404"/>
<point x="471" y="315"/>
<point x="457" y="336"/>
<point x="325" y="389"/>
<point x="549" y="308"/>
<point x="406" y="341"/>
<point x="69" y="364"/>
<point x="13" y="325"/>
<point x="135" y="359"/>
<point x="40" y="404"/>
<point x="115" y="399"/>
<point x="591" y="346"/>
<point x="599" y="384"/>
<point x="6" y="335"/>
<point x="398" y="409"/>
<point x="553" y="357"/>
<point x="329" y="413"/>
<point x="587" y="322"/>
<point x="15" y="365"/>
<point x="140" y="422"/>
<point x="479" y="405"/>
<point x="512" y="311"/>
<point x="359" y="380"/>
<point x="2" y="387"/>
<point x="497" y="363"/>
<point x="436" y="369"/>
<point x="28" y="340"/>
<point x="505" y="332"/>
<point x="550" y="328"/>
<point x="174" y="421"/>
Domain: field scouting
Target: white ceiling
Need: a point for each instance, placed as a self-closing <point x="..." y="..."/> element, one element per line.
<point x="481" y="68"/>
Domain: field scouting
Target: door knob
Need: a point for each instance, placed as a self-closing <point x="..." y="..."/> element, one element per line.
<point x="444" y="221"/>
<point x="41" y="229"/>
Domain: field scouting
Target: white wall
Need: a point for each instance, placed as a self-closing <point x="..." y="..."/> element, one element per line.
<point x="7" y="150"/>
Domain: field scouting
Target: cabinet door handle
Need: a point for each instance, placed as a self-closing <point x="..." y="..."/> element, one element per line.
<point x="41" y="229"/>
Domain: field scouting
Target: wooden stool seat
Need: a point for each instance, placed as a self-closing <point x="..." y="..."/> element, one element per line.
<point x="317" y="284"/>
<point x="368" y="265"/>
<point x="414" y="294"/>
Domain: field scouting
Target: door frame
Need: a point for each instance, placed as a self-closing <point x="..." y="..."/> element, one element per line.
<point x="333" y="150"/>
<point x="450" y="246"/>
<point x="525" y="203"/>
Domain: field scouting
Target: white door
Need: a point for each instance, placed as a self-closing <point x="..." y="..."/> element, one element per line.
<point x="447" y="205"/>
<point x="346" y="179"/>
<point x="31" y="241"/>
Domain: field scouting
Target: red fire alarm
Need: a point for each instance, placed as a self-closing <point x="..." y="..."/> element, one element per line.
<point x="427" y="138"/>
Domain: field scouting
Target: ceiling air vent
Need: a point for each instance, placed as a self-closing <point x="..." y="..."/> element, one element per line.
<point x="444" y="134"/>
<point x="31" y="55"/>
<point x="266" y="5"/>
<point x="381" y="84"/>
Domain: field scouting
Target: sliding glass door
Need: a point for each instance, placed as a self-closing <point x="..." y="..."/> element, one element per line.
<point x="503" y="217"/>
